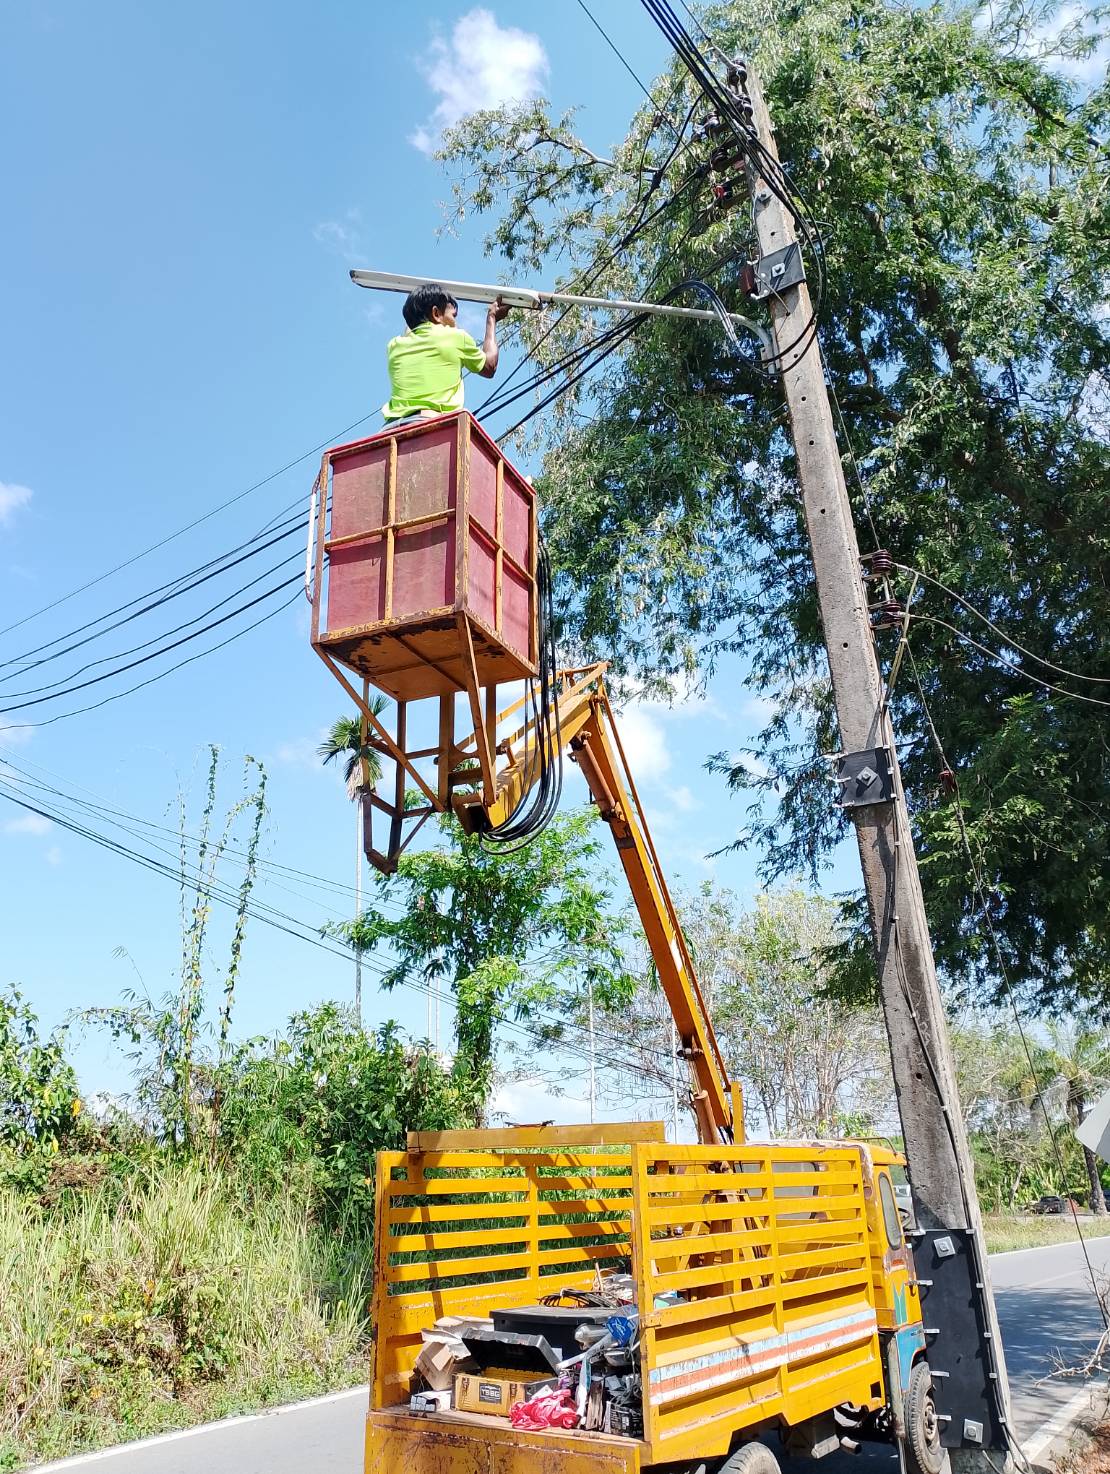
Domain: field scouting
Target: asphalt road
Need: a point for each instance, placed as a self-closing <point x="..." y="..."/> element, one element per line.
<point x="1045" y="1306"/>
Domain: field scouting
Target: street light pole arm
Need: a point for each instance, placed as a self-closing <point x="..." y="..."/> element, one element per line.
<point x="526" y="297"/>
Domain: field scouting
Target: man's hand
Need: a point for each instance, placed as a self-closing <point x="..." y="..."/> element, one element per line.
<point x="496" y="313"/>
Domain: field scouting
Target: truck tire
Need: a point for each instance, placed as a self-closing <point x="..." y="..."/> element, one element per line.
<point x="751" y="1458"/>
<point x="925" y="1454"/>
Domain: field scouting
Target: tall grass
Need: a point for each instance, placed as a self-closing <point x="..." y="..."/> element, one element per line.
<point x="162" y="1303"/>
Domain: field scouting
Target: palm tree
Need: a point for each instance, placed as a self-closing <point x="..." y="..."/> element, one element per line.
<point x="362" y="769"/>
<point x="1081" y="1059"/>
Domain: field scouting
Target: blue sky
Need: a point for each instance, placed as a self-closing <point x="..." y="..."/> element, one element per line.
<point x="185" y="192"/>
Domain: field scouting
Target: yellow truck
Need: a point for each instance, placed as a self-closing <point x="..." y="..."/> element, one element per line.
<point x="774" y="1288"/>
<point x="695" y="1297"/>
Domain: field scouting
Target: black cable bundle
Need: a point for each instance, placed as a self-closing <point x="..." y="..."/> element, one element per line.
<point x="772" y="171"/>
<point x="543" y="777"/>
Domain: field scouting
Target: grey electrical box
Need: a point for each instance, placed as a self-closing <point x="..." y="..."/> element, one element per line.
<point x="864" y="778"/>
<point x="779" y="270"/>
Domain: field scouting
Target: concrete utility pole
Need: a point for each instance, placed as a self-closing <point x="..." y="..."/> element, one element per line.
<point x="964" y="1346"/>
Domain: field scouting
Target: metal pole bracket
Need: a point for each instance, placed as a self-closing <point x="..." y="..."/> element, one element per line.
<point x="865" y="777"/>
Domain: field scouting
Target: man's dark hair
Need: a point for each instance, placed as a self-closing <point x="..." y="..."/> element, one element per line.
<point x="418" y="305"/>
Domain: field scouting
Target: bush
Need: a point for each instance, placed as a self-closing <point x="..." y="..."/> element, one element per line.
<point x="310" y="1110"/>
<point x="126" y="1314"/>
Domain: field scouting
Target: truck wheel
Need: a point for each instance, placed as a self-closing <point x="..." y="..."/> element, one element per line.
<point x="924" y="1450"/>
<point x="751" y="1458"/>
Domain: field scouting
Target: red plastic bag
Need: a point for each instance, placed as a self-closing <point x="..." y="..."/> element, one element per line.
<point x="551" y="1408"/>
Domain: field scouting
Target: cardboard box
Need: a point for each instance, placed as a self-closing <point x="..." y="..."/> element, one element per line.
<point x="492" y="1392"/>
<point x="440" y="1361"/>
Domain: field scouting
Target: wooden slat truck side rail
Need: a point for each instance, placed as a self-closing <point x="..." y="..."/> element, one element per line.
<point x="756" y="1298"/>
<point x="465" y="1232"/>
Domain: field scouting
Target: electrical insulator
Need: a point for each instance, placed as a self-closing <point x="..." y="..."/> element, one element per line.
<point x="729" y="193"/>
<point x="878" y="564"/>
<point x="714" y="128"/>
<point x="728" y="156"/>
<point x="887" y="615"/>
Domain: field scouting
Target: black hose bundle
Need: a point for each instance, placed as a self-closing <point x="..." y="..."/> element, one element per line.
<point x="543" y="776"/>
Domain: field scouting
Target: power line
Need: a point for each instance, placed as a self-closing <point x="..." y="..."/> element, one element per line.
<point x="771" y="170"/>
<point x="211" y="650"/>
<point x="1003" y="664"/>
<point x="154" y="654"/>
<point x="64" y="681"/>
<point x="1001" y="633"/>
<point x="587" y="277"/>
<point x="284" y="922"/>
<point x="197" y="521"/>
<point x="168" y="591"/>
<point x="341" y="890"/>
<point x="612" y="45"/>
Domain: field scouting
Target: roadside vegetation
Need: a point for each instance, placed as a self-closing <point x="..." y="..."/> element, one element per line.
<point x="1005" y="1232"/>
<point x="203" y="1245"/>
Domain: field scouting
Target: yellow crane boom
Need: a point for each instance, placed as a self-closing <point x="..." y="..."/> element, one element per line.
<point x="587" y="729"/>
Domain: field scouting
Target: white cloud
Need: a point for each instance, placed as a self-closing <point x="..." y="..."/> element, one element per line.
<point x="27" y="824"/>
<point x="758" y="709"/>
<point x="302" y="752"/>
<point x="683" y="799"/>
<point x="751" y="764"/>
<point x="645" y="744"/>
<point x="341" y="237"/>
<point x="1043" y="41"/>
<point x="483" y="65"/>
<point x="53" y="855"/>
<point x="12" y="497"/>
<point x="16" y="735"/>
<point x="532" y="1101"/>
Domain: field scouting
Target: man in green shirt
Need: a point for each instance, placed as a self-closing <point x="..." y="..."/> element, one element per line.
<point x="426" y="363"/>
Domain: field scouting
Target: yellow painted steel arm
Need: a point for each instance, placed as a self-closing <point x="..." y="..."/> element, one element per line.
<point x="587" y="727"/>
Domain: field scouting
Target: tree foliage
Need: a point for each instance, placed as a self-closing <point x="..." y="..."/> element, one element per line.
<point x="39" y="1099"/>
<point x="809" y="1063"/>
<point x="321" y="1099"/>
<point x="507" y="932"/>
<point x="961" y="188"/>
<point x="1022" y="1099"/>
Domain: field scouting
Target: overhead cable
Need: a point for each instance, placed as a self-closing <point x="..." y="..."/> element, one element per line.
<point x="63" y="681"/>
<point x="612" y="45"/>
<point x="183" y="584"/>
<point x="1061" y="670"/>
<point x="302" y="931"/>
<point x="196" y="522"/>
<point x="161" y="675"/>
<point x="1002" y="663"/>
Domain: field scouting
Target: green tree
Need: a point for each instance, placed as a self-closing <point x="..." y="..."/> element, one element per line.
<point x="1081" y="1058"/>
<point x="508" y="932"/>
<point x="361" y="771"/>
<point x="39" y="1099"/>
<point x="807" y="1061"/>
<point x="315" y="1105"/>
<point x="363" y="765"/>
<point x="960" y="187"/>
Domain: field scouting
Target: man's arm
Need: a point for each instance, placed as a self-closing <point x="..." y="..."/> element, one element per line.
<point x="497" y="311"/>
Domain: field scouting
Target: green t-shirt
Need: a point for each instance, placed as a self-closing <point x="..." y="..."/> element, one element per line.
<point x="425" y="369"/>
